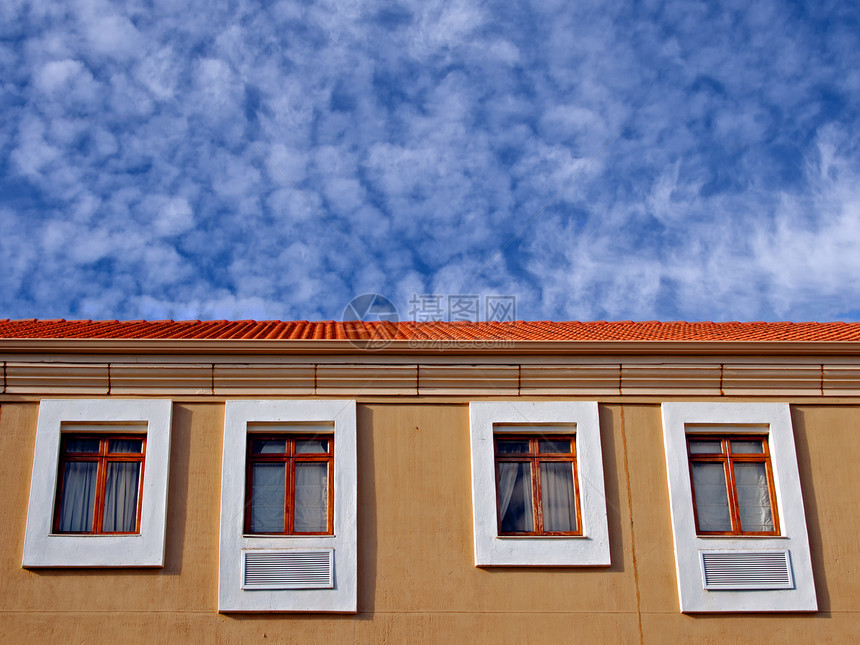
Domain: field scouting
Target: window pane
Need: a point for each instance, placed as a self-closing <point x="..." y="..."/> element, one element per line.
<point x="753" y="497"/>
<point x="269" y="446"/>
<point x="515" y="497"/>
<point x="698" y="447"/>
<point x="134" y="446"/>
<point x="557" y="496"/>
<point x="747" y="447"/>
<point x="311" y="512"/>
<point x="311" y="446"/>
<point x="712" y="501"/>
<point x="554" y="446"/>
<point x="512" y="446"/>
<point x="123" y="479"/>
<point x="79" y="493"/>
<point x="82" y="445"/>
<point x="268" y="483"/>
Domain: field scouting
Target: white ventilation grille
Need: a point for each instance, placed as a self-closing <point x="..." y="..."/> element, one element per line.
<point x="288" y="569"/>
<point x="746" y="570"/>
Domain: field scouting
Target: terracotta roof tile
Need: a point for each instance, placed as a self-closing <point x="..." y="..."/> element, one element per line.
<point x="356" y="330"/>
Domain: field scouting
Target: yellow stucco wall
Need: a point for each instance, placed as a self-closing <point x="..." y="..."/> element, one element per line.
<point x="417" y="581"/>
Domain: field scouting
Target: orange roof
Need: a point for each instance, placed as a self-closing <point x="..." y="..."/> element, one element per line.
<point x="409" y="330"/>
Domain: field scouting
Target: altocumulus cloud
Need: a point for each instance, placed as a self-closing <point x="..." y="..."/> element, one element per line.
<point x="256" y="159"/>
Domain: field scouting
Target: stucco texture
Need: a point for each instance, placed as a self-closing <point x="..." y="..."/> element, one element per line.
<point x="417" y="579"/>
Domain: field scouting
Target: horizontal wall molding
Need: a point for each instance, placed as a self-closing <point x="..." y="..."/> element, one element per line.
<point x="682" y="378"/>
<point x="146" y="378"/>
<point x="338" y="380"/>
<point x="787" y="380"/>
<point x="259" y="379"/>
<point x="56" y="378"/>
<point x="702" y="379"/>
<point x="469" y="379"/>
<point x="570" y="379"/>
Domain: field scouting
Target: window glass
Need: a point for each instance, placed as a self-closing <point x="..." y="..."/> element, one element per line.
<point x="99" y="493"/>
<point x="732" y="485"/>
<point x="268" y="446"/>
<point x="121" y="446"/>
<point x="558" y="496"/>
<point x="705" y="447"/>
<point x="290" y="480"/>
<point x="78" y="497"/>
<point x="515" y="497"/>
<point x="712" y="502"/>
<point x="121" y="488"/>
<point x="311" y="446"/>
<point x="268" y="482"/>
<point x="753" y="497"/>
<point x="82" y="445"/>
<point x="536" y="486"/>
<point x="553" y="446"/>
<point x="311" y="497"/>
<point x="512" y="446"/>
<point x="747" y="447"/>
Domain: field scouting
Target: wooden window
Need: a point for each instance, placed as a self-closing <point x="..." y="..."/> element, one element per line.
<point x="100" y="484"/>
<point x="289" y="484"/>
<point x="537" y="490"/>
<point x="732" y="479"/>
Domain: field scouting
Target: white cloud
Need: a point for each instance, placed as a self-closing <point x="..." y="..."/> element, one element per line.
<point x="113" y="36"/>
<point x="173" y="216"/>
<point x="33" y="152"/>
<point x="428" y="134"/>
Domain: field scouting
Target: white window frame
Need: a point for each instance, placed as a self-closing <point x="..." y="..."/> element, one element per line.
<point x="774" y="420"/>
<point x="343" y="597"/>
<point x="591" y="549"/>
<point x="42" y="547"/>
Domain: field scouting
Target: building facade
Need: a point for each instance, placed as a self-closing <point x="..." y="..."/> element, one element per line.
<point x="508" y="482"/>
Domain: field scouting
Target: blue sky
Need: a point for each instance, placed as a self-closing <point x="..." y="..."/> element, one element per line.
<point x="273" y="160"/>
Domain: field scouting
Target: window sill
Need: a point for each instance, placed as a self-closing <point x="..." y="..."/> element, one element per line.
<point x="541" y="537"/>
<point x="94" y="535"/>
<point x="275" y="536"/>
<point x="741" y="537"/>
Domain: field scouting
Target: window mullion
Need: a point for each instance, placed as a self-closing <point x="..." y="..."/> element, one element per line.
<point x="142" y="467"/>
<point x="289" y="495"/>
<point x="575" y="469"/>
<point x="101" y="485"/>
<point x="734" y="507"/>
<point x="330" y="462"/>
<point x="537" y="497"/>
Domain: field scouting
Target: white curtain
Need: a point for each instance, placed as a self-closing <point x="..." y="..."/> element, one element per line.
<point x="311" y="446"/>
<point x="121" y="486"/>
<point x="515" y="497"/>
<point x="557" y="493"/>
<point x="267" y="498"/>
<point x="753" y="497"/>
<point x="126" y="445"/>
<point x="79" y="492"/>
<point x="311" y="500"/>
<point x="712" y="501"/>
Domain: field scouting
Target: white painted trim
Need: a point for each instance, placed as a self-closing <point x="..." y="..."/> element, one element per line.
<point x="344" y="596"/>
<point x="775" y="419"/>
<point x="44" y="549"/>
<point x="590" y="549"/>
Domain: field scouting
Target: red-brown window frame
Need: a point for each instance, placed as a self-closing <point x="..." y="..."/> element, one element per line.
<point x="102" y="458"/>
<point x="727" y="459"/>
<point x="535" y="458"/>
<point x="290" y="458"/>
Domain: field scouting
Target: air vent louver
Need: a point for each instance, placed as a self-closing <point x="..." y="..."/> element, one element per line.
<point x="728" y="570"/>
<point x="288" y="569"/>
